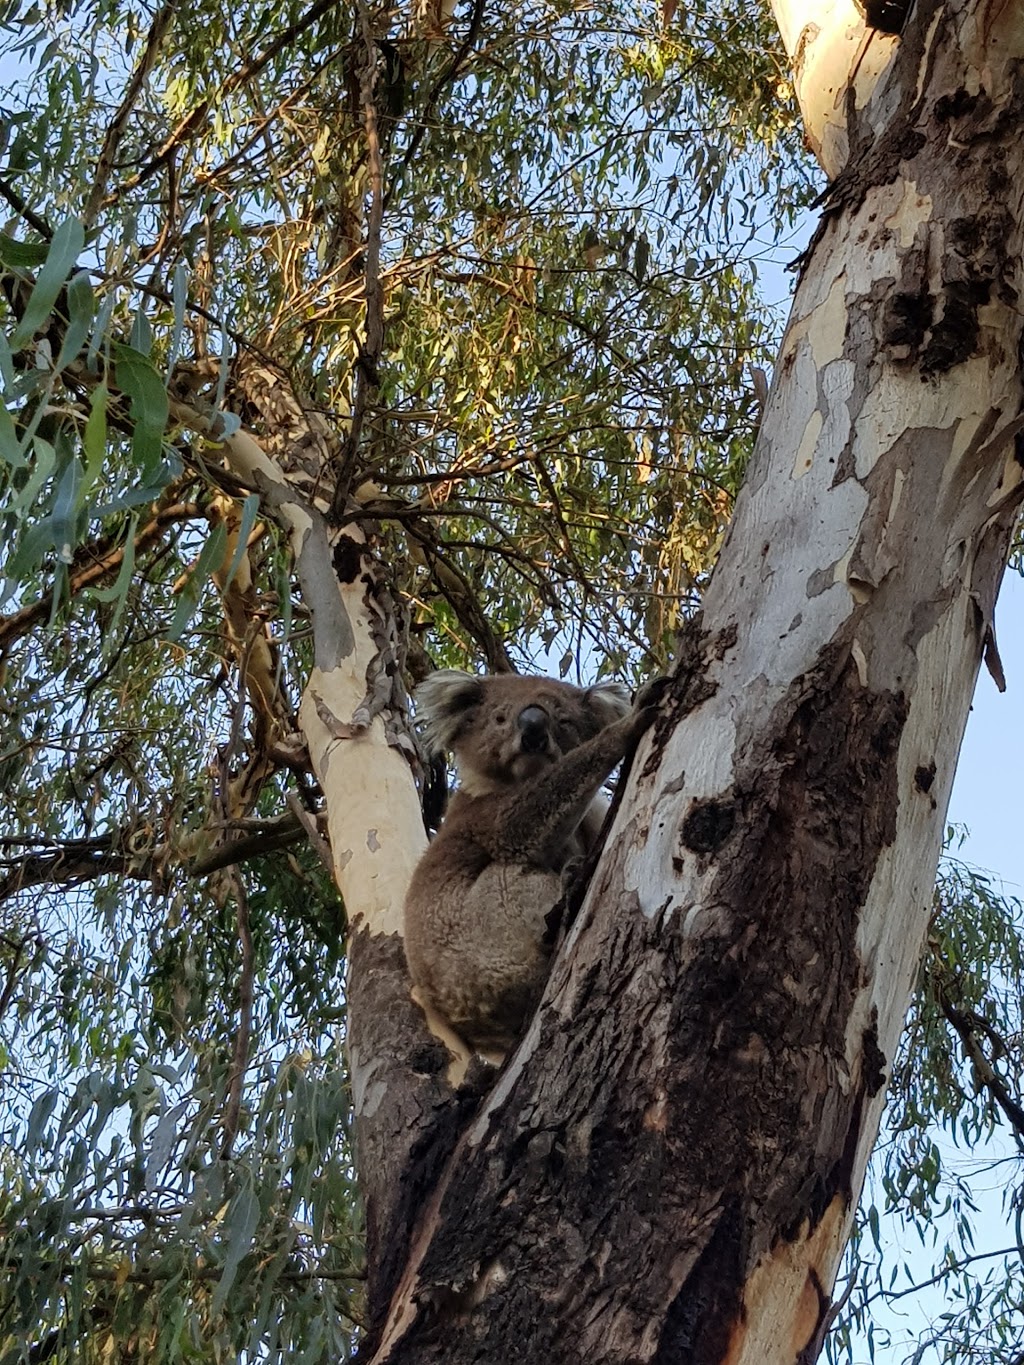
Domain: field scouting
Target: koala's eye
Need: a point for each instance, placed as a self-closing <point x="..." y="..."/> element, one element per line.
<point x="501" y="717"/>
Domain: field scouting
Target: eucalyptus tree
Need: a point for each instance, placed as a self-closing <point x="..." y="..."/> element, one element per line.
<point x="340" y="343"/>
<point x="683" y="1131"/>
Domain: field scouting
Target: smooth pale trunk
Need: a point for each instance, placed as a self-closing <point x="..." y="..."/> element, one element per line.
<point x="354" y="725"/>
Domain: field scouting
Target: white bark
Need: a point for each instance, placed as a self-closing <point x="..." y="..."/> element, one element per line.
<point x="373" y="813"/>
<point x="811" y="559"/>
<point x="836" y="59"/>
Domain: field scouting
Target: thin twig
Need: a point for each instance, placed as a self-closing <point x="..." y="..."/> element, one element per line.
<point x="446" y="77"/>
<point x="368" y="364"/>
<point x="259" y="128"/>
<point x="456" y="589"/>
<point x="20" y="206"/>
<point x="308" y="823"/>
<point x="194" y="120"/>
<point x="813" y="1348"/>
<point x="115" y="131"/>
<point x="105" y="562"/>
<point x="12" y="973"/>
<point x="966" y="1025"/>
<point x="891" y="1295"/>
<point x="240" y="1060"/>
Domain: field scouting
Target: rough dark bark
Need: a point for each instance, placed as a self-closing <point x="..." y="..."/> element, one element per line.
<point x="407" y="1118"/>
<point x="662" y="1202"/>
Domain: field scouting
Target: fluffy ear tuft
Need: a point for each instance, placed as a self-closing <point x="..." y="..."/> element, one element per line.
<point x="609" y="701"/>
<point x="442" y="699"/>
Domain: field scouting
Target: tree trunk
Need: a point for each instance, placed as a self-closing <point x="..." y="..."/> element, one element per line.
<point x="354" y="721"/>
<point x="667" y="1168"/>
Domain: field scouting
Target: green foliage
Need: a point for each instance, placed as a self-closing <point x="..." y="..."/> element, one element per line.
<point x="573" y="205"/>
<point x="947" y="1167"/>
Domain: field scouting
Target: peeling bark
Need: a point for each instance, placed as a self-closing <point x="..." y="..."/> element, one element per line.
<point x="837" y="53"/>
<point x="667" y="1167"/>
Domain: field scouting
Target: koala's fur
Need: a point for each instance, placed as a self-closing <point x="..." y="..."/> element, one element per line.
<point x="532" y="755"/>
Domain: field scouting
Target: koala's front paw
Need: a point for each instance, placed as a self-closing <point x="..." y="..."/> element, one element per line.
<point x="648" y="700"/>
<point x="651" y="692"/>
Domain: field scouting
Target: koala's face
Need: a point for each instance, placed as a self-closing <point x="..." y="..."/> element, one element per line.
<point x="504" y="728"/>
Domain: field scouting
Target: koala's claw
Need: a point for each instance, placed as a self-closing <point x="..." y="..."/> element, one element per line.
<point x="648" y="700"/>
<point x="651" y="693"/>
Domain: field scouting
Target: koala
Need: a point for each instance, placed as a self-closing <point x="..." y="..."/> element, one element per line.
<point x="532" y="755"/>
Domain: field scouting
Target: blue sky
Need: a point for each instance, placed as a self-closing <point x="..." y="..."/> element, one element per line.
<point x="986" y="793"/>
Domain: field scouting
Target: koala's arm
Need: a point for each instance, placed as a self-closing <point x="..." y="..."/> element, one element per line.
<point x="534" y="823"/>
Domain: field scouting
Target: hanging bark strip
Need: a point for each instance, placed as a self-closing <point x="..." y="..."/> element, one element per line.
<point x="667" y="1168"/>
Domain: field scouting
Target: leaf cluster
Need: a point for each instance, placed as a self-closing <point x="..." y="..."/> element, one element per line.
<point x="947" y="1169"/>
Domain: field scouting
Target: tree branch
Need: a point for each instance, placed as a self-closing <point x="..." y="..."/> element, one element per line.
<point x="20" y="206"/>
<point x="104" y="560"/>
<point x="193" y="121"/>
<point x="12" y="969"/>
<point x="78" y="860"/>
<point x="112" y="141"/>
<point x="447" y="76"/>
<point x="891" y="1295"/>
<point x="368" y="363"/>
<point x="240" y="1060"/>
<point x="967" y="1025"/>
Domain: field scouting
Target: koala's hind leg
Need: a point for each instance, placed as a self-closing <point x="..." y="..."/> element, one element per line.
<point x="489" y="980"/>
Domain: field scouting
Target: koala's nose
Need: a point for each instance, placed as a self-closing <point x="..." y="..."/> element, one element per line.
<point x="533" y="726"/>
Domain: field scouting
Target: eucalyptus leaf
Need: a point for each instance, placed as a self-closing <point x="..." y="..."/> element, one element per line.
<point x="66" y="501"/>
<point x="141" y="339"/>
<point x="179" y="298"/>
<point x="100" y="338"/>
<point x="21" y="255"/>
<point x="7" y="374"/>
<point x="149" y="407"/>
<point x="210" y="558"/>
<point x="119" y="589"/>
<point x="63" y="252"/>
<point x="80" y="318"/>
<point x="39" y="1117"/>
<point x="94" y="438"/>
<point x="11" y="452"/>
<point x="250" y="511"/>
<point x="239" y="1226"/>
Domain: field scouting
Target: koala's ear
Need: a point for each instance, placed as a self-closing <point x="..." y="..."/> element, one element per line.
<point x="609" y="701"/>
<point x="442" y="700"/>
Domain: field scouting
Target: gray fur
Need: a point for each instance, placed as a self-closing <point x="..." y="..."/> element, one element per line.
<point x="476" y="908"/>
